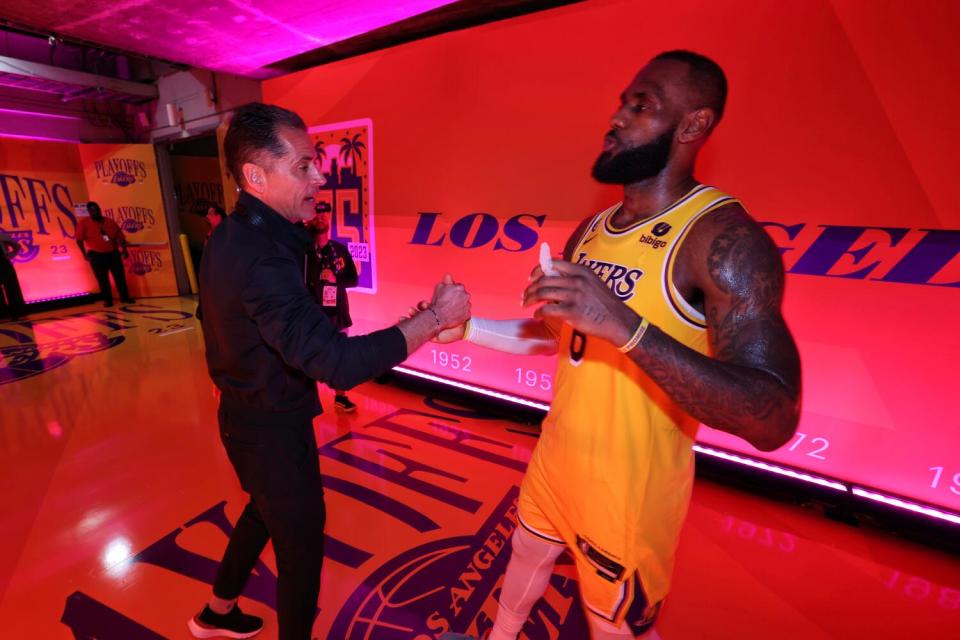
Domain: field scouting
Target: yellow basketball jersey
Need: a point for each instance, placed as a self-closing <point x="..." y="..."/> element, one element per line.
<point x="613" y="469"/>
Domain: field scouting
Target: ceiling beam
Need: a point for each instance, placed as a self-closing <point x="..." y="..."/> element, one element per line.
<point x="79" y="78"/>
<point x="451" y="17"/>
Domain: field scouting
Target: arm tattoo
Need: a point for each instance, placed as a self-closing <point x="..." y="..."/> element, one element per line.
<point x="751" y="385"/>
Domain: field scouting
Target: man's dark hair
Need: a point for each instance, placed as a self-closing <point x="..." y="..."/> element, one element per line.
<point x="254" y="130"/>
<point x="93" y="206"/>
<point x="706" y="78"/>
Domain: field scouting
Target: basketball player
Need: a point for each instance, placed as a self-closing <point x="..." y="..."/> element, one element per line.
<point x="666" y="313"/>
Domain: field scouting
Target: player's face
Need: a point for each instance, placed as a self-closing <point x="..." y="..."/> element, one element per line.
<point x="292" y="180"/>
<point x="641" y="136"/>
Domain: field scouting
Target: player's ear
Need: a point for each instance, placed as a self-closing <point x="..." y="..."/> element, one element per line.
<point x="696" y="125"/>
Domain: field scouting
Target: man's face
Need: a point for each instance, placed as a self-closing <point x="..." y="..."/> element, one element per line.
<point x="95" y="214"/>
<point x="213" y="218"/>
<point x="319" y="224"/>
<point x="641" y="137"/>
<point x="292" y="180"/>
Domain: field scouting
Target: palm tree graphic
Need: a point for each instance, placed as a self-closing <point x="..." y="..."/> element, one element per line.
<point x="321" y="150"/>
<point x="352" y="151"/>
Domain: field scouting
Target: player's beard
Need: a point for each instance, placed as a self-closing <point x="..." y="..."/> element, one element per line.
<point x="634" y="164"/>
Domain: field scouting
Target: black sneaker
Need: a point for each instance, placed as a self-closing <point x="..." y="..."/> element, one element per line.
<point x="235" y="624"/>
<point x="342" y="403"/>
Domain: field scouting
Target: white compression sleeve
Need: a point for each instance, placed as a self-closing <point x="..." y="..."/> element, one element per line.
<point x="524" y="337"/>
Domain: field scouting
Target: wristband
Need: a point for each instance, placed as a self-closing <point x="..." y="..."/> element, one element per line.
<point x="435" y="317"/>
<point x="636" y="337"/>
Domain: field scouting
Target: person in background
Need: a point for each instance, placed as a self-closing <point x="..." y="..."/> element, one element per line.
<point x="330" y="272"/>
<point x="214" y="216"/>
<point x="11" y="297"/>
<point x="102" y="244"/>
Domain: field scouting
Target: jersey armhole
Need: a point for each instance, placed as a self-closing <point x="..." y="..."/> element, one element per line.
<point x="681" y="308"/>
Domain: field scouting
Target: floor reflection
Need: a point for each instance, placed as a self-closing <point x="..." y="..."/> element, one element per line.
<point x="120" y="500"/>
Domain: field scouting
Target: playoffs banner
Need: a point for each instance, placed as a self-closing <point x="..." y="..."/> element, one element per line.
<point x="39" y="184"/>
<point x="123" y="179"/>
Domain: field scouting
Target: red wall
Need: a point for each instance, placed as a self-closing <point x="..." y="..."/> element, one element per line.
<point x="839" y="129"/>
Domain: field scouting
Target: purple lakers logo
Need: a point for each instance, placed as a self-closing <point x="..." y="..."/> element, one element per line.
<point x="29" y="348"/>
<point x="123" y="179"/>
<point x="30" y="358"/>
<point x="130" y="225"/>
<point x="28" y="250"/>
<point x="453" y="585"/>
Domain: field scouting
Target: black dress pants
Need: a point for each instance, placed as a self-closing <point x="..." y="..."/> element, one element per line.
<point x="11" y="297"/>
<point x="277" y="464"/>
<point x="105" y="264"/>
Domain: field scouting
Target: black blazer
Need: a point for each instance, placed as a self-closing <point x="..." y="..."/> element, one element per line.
<point x="267" y="339"/>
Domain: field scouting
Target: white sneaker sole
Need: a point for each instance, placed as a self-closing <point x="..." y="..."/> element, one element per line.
<point x="203" y="632"/>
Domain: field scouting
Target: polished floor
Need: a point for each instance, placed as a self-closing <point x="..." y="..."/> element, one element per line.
<point x="118" y="500"/>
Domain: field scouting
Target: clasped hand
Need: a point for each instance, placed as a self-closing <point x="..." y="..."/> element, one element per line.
<point x="576" y="295"/>
<point x="451" y="303"/>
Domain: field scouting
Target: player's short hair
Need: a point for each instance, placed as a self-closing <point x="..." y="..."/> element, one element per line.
<point x="706" y="78"/>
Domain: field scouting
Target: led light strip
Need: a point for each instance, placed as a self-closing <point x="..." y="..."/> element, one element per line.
<point x="41" y="114"/>
<point x="475" y="389"/>
<point x="888" y="500"/>
<point x="39" y="138"/>
<point x="64" y="297"/>
<point x="906" y="505"/>
<point x="772" y="468"/>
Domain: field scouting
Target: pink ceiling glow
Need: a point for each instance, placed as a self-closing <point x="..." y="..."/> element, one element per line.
<point x="233" y="36"/>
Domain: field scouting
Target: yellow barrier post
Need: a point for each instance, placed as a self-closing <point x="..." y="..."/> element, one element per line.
<point x="188" y="261"/>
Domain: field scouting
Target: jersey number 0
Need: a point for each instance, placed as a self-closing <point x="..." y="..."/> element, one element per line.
<point x="578" y="346"/>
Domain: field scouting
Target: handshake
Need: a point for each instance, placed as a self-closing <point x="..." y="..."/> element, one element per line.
<point x="451" y="302"/>
<point x="451" y="306"/>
